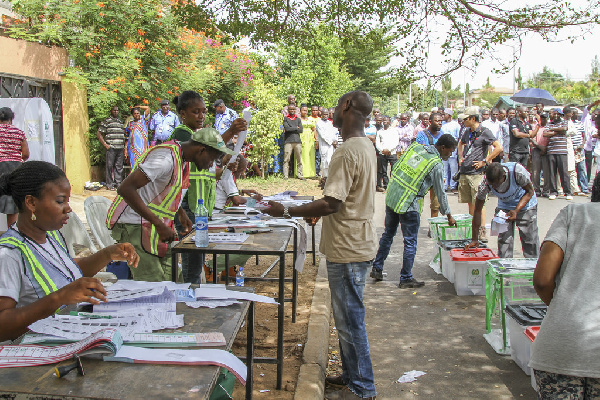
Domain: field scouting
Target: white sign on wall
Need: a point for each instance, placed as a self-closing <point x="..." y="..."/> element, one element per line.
<point x="33" y="116"/>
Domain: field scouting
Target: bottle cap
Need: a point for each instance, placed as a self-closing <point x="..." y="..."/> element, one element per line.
<point x="200" y="201"/>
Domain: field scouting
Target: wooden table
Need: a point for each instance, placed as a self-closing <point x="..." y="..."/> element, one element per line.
<point x="270" y="243"/>
<point x="115" y="380"/>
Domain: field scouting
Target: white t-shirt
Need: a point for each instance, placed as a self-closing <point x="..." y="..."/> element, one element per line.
<point x="226" y="188"/>
<point x="158" y="168"/>
<point x="18" y="286"/>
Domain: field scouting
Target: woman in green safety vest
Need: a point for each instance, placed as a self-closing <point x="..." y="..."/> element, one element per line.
<point x="37" y="274"/>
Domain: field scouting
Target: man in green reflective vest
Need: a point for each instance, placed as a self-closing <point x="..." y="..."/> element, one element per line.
<point x="418" y="170"/>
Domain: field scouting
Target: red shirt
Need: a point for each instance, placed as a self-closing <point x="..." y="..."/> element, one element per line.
<point x="11" y="138"/>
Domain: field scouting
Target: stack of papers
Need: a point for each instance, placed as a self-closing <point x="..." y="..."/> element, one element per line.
<point x="105" y="341"/>
<point x="220" y="292"/>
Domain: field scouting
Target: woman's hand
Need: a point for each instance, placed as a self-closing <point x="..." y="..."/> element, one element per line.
<point x="124" y="252"/>
<point x="82" y="290"/>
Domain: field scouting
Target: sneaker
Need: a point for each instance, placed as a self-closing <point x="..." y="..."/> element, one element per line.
<point x="552" y="197"/>
<point x="584" y="194"/>
<point x="345" y="394"/>
<point x="335" y="380"/>
<point x="376" y="274"/>
<point x="483" y="234"/>
<point x="410" y="283"/>
<point x="569" y="197"/>
<point x="380" y="189"/>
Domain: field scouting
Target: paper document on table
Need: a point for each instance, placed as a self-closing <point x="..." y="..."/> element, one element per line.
<point x="499" y="223"/>
<point x="128" y="284"/>
<point x="163" y="301"/>
<point x="227" y="237"/>
<point x="105" y="341"/>
<point x="177" y="339"/>
<point x="221" y="358"/>
<point x="208" y="292"/>
<point x="77" y="328"/>
<point x="208" y="303"/>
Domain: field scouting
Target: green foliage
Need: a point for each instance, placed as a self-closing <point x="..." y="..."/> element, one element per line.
<point x="315" y="75"/>
<point x="134" y="53"/>
<point x="265" y="125"/>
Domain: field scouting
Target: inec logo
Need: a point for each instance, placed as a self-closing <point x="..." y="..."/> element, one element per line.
<point x="201" y="224"/>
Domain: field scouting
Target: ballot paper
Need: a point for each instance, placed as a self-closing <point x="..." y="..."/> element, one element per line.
<point x="152" y="298"/>
<point x="220" y="292"/>
<point x="107" y="341"/>
<point x="137" y="355"/>
<point x="77" y="328"/>
<point x="499" y="223"/>
<point x="210" y="303"/>
<point x="128" y="284"/>
<point x="241" y="138"/>
<point x="227" y="237"/>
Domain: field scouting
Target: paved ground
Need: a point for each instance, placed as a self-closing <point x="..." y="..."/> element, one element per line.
<point x="431" y="329"/>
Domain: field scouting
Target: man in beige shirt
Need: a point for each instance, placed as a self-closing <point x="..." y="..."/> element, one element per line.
<point x="348" y="240"/>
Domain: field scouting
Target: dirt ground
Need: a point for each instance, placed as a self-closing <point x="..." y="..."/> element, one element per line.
<point x="265" y="342"/>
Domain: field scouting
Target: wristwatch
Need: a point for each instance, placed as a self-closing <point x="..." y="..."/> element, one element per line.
<point x="286" y="212"/>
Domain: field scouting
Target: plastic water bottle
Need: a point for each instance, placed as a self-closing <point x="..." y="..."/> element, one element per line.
<point x="239" y="277"/>
<point x="201" y="215"/>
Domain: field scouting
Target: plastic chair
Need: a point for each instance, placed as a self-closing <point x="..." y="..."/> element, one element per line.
<point x="75" y="233"/>
<point x="96" y="209"/>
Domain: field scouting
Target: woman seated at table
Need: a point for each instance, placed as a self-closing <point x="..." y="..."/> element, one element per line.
<point x="37" y="274"/>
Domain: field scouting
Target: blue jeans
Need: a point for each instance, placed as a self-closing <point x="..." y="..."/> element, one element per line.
<point x="582" y="178"/>
<point x="409" y="224"/>
<point x="347" y="283"/>
<point x="450" y="169"/>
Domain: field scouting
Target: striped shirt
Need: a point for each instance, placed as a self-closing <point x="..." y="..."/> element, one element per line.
<point x="557" y="144"/>
<point x="114" y="132"/>
<point x="11" y="139"/>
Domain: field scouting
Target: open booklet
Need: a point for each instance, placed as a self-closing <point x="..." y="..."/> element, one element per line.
<point x="109" y="342"/>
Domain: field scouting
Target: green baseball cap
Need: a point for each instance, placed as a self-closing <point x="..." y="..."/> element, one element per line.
<point x="210" y="137"/>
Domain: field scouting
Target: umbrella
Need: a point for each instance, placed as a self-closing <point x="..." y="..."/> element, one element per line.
<point x="534" y="96"/>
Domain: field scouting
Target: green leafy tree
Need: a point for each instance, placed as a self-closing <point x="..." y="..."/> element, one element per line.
<point x="265" y="125"/>
<point x="314" y="75"/>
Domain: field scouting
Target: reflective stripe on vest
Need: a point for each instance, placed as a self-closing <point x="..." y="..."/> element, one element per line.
<point x="43" y="284"/>
<point x="203" y="185"/>
<point x="164" y="205"/>
<point x="408" y="175"/>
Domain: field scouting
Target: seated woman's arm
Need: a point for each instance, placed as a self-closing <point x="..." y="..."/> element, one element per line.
<point x="14" y="321"/>
<point x="90" y="265"/>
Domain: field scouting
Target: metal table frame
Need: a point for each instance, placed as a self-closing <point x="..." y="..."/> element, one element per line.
<point x="214" y="250"/>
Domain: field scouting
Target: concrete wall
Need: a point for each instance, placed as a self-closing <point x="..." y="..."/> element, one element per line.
<point x="33" y="60"/>
<point x="75" y="128"/>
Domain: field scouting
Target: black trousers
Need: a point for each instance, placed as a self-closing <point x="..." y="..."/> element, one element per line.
<point x="114" y="167"/>
<point x="382" y="177"/>
<point x="589" y="157"/>
<point x="539" y="164"/>
<point x="558" y="164"/>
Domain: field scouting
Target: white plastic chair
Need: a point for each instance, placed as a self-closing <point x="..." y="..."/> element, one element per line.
<point x="96" y="209"/>
<point x="75" y="233"/>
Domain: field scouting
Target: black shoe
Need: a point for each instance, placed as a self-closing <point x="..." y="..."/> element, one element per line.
<point x="411" y="283"/>
<point x="376" y="274"/>
<point x="334" y="380"/>
<point x="429" y="233"/>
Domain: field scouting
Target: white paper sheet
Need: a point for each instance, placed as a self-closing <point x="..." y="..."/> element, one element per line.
<point x="210" y="303"/>
<point x="208" y="292"/>
<point x="128" y="284"/>
<point x="79" y="328"/>
<point x="179" y="339"/>
<point x="177" y="356"/>
<point x="499" y="223"/>
<point x="164" y="301"/>
<point x="227" y="237"/>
